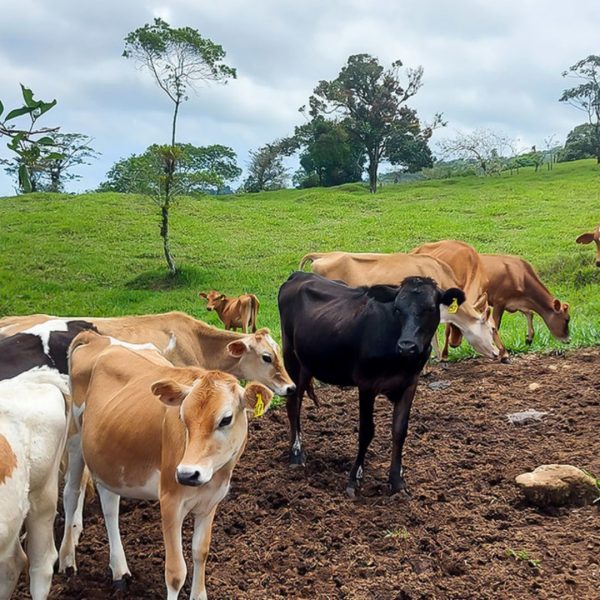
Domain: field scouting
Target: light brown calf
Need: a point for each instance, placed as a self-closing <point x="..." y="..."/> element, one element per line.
<point x="588" y="238"/>
<point x="515" y="286"/>
<point x="470" y="276"/>
<point x="155" y="431"/>
<point x="239" y="312"/>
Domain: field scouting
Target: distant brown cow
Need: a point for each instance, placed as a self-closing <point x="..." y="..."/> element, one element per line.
<point x="588" y="238"/>
<point x="234" y="312"/>
<point x="515" y="286"/>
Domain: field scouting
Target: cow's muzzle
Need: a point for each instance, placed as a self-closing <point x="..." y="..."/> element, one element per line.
<point x="192" y="476"/>
<point x="408" y="349"/>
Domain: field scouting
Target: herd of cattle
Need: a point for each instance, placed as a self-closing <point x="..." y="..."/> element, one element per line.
<point x="150" y="407"/>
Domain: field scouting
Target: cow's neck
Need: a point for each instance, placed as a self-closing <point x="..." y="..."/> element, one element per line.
<point x="211" y="350"/>
<point x="537" y="297"/>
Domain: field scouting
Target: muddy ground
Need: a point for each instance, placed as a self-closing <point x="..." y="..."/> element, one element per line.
<point x="294" y="534"/>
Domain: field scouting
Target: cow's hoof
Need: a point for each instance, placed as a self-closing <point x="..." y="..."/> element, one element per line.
<point x="69" y="571"/>
<point x="505" y="360"/>
<point x="398" y="488"/>
<point x="528" y="341"/>
<point x="121" y="585"/>
<point x="297" y="459"/>
<point x="352" y="491"/>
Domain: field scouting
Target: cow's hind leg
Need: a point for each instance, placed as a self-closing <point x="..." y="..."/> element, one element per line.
<point x="118" y="562"/>
<point x="301" y="377"/>
<point x="41" y="550"/>
<point x="366" y="431"/>
<point x="11" y="565"/>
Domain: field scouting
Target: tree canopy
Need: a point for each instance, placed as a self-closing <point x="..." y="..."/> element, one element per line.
<point x="198" y="170"/>
<point x="372" y="101"/>
<point x="266" y="171"/>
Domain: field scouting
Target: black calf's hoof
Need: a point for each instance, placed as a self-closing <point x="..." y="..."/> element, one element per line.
<point x="297" y="459"/>
<point x="398" y="488"/>
<point x="121" y="585"/>
<point x="352" y="492"/>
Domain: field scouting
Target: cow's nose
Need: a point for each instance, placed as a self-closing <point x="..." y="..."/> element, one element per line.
<point x="290" y="389"/>
<point x="598" y="263"/>
<point x="192" y="476"/>
<point x="407" y="349"/>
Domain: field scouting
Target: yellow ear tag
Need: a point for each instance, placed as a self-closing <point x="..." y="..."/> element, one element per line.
<point x="453" y="308"/>
<point x="259" y="407"/>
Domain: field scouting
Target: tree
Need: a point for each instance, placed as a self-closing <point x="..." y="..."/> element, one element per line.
<point x="266" y="171"/>
<point x="178" y="59"/>
<point x="372" y="100"/>
<point x="483" y="146"/>
<point x="579" y="143"/>
<point x="27" y="143"/>
<point x="52" y="167"/>
<point x="198" y="170"/>
<point x="329" y="156"/>
<point x="586" y="95"/>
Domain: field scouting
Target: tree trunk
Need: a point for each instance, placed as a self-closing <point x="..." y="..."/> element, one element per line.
<point x="372" y="175"/>
<point x="164" y="232"/>
<point x="174" y="124"/>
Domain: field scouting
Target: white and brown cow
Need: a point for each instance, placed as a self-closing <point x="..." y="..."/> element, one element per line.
<point x="155" y="431"/>
<point x="34" y="418"/>
<point x="588" y="238"/>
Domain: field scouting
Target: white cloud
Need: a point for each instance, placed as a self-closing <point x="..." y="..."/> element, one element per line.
<point x="494" y="65"/>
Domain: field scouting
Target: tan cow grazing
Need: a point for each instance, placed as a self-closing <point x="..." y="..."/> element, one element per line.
<point x="515" y="286"/>
<point x="155" y="431"/>
<point x="358" y="269"/>
<point x="470" y="276"/>
<point x="588" y="238"/>
<point x="239" y="312"/>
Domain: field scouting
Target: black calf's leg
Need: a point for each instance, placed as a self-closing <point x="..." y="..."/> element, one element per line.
<point x="365" y="435"/>
<point x="294" y="405"/>
<point x="402" y="406"/>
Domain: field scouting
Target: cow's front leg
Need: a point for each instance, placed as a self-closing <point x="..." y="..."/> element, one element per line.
<point x="366" y="429"/>
<point x="200" y="548"/>
<point x="530" y="329"/>
<point x="172" y="515"/>
<point x="293" y="405"/>
<point x="402" y="406"/>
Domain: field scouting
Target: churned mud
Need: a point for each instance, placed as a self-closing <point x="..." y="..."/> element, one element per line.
<point x="464" y="531"/>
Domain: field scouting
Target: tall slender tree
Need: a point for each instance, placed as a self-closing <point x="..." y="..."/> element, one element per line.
<point x="178" y="59"/>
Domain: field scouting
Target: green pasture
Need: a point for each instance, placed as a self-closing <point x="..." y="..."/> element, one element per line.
<point x="101" y="254"/>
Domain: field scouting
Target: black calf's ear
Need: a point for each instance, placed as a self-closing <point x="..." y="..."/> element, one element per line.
<point x="453" y="297"/>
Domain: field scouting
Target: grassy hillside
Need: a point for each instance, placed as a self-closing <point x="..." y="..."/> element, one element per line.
<point x="101" y="253"/>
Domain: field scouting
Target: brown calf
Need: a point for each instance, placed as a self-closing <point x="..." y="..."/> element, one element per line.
<point x="155" y="431"/>
<point x="588" y="238"/>
<point x="234" y="312"/>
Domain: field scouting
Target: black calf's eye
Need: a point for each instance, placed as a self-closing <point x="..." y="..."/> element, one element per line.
<point x="267" y="358"/>
<point x="226" y="421"/>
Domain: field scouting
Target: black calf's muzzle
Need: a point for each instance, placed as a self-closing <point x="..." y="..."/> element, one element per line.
<point x="407" y="349"/>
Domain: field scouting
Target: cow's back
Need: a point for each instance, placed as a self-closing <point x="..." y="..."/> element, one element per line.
<point x="465" y="262"/>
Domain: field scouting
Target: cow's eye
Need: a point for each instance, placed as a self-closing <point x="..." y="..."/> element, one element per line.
<point x="267" y="358"/>
<point x="225" y="421"/>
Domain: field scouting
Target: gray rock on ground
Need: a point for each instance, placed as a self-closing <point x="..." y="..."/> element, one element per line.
<point x="558" y="485"/>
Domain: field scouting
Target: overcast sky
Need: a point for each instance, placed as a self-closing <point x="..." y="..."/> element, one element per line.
<point x="487" y="64"/>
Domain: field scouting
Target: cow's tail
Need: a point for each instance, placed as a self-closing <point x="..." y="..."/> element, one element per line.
<point x="254" y="306"/>
<point x="310" y="257"/>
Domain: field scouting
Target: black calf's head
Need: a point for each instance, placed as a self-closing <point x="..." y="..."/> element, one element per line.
<point x="417" y="305"/>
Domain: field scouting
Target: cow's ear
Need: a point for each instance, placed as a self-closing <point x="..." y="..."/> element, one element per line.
<point x="257" y="398"/>
<point x="556" y="305"/>
<point x="452" y="296"/>
<point x="237" y="348"/>
<point x="585" y="238"/>
<point x="203" y="295"/>
<point x="170" y="392"/>
<point x="222" y="297"/>
<point x="565" y="307"/>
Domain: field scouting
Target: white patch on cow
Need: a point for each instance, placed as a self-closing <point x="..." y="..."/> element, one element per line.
<point x="42" y="375"/>
<point x="43" y="331"/>
<point x="271" y="342"/>
<point x="297" y="444"/>
<point x="172" y="343"/>
<point x="359" y="473"/>
<point x="130" y="346"/>
<point x="147" y="491"/>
